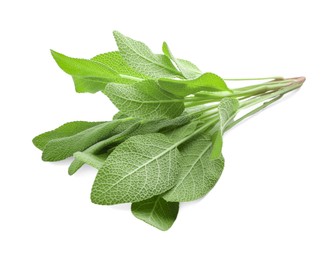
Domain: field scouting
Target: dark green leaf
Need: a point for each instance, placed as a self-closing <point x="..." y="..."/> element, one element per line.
<point x="156" y="212"/>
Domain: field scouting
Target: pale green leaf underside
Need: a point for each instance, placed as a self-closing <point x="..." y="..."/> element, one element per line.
<point x="139" y="168"/>
<point x="198" y="174"/>
<point x="205" y="82"/>
<point x="138" y="56"/>
<point x="144" y="100"/>
<point x="64" y="147"/>
<point x="156" y="212"/>
<point x="217" y="143"/>
<point x="188" y="69"/>
<point x="227" y="110"/>
<point x="65" y="130"/>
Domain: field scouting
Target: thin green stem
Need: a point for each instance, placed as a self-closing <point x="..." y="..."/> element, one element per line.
<point x="243" y="79"/>
<point x="252" y="112"/>
<point x="257" y="100"/>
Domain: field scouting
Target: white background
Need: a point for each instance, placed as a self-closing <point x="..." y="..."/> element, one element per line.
<point x="274" y="198"/>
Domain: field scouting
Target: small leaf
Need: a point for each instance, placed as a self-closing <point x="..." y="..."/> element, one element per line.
<point x="198" y="174"/>
<point x="144" y="100"/>
<point x="156" y="212"/>
<point x="65" y="130"/>
<point x="138" y="56"/>
<point x="207" y="81"/>
<point x="139" y="168"/>
<point x="188" y="69"/>
<point x="64" y="147"/>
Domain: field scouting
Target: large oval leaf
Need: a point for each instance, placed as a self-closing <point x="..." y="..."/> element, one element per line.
<point x="139" y="168"/>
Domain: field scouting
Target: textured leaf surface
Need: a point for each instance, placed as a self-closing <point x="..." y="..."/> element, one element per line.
<point x="198" y="174"/>
<point x="144" y="100"/>
<point x="115" y="61"/>
<point x="156" y="211"/>
<point x="227" y="110"/>
<point x="96" y="148"/>
<point x="207" y="81"/>
<point x="139" y="168"/>
<point x="82" y="67"/>
<point x="93" y="75"/>
<point x="188" y="69"/>
<point x="140" y="58"/>
<point x="63" y="148"/>
<point x="181" y="132"/>
<point x="65" y="130"/>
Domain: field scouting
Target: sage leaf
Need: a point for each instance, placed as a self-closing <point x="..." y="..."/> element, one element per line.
<point x="115" y="61"/>
<point x="183" y="87"/>
<point x="144" y="100"/>
<point x="95" y="149"/>
<point x="138" y="56"/>
<point x="62" y="148"/>
<point x="181" y="132"/>
<point x="156" y="212"/>
<point x="65" y="130"/>
<point x="139" y="168"/>
<point x="188" y="69"/>
<point x="227" y="110"/>
<point x="198" y="174"/>
<point x="93" y="75"/>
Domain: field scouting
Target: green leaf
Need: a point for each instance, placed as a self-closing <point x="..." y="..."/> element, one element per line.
<point x="98" y="147"/>
<point x="140" y="58"/>
<point x="90" y="159"/>
<point x="216" y="145"/>
<point x="144" y="100"/>
<point x="139" y="168"/>
<point x="181" y="132"/>
<point x="207" y="81"/>
<point x="83" y="67"/>
<point x="115" y="61"/>
<point x="188" y="69"/>
<point x="62" y="148"/>
<point x="93" y="75"/>
<point x="227" y="110"/>
<point x="65" y="130"/>
<point x="156" y="212"/>
<point x="198" y="174"/>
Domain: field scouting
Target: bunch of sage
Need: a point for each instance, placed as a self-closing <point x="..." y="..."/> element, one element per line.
<point x="164" y="146"/>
